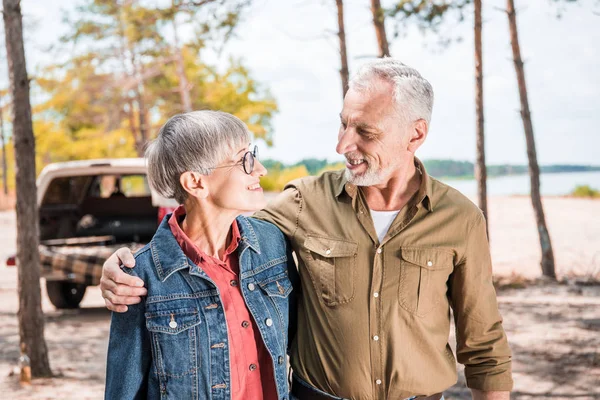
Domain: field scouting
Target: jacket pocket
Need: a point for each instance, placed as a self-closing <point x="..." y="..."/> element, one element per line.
<point x="277" y="290"/>
<point x="331" y="264"/>
<point x="174" y="340"/>
<point x="423" y="278"/>
<point x="279" y="286"/>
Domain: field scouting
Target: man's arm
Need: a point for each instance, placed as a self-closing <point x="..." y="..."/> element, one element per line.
<point x="118" y="288"/>
<point x="283" y="211"/>
<point x="482" y="345"/>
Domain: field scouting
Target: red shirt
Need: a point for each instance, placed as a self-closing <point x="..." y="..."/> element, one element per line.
<point x="252" y="374"/>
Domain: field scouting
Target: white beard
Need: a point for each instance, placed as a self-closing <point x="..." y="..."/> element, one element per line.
<point x="370" y="177"/>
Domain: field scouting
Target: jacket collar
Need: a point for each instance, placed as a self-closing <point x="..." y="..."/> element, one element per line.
<point x="168" y="256"/>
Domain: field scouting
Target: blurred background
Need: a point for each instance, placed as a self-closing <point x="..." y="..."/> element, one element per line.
<point x="106" y="74"/>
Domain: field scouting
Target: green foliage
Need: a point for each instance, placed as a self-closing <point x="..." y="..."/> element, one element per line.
<point x="276" y="179"/>
<point x="122" y="82"/>
<point x="233" y="91"/>
<point x="585" y="191"/>
<point x="445" y="168"/>
<point x="426" y="15"/>
<point x="279" y="174"/>
<point x="313" y="165"/>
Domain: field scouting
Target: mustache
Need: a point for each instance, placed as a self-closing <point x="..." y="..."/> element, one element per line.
<point x="355" y="155"/>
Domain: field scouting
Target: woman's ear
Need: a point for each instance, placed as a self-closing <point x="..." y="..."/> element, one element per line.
<point x="194" y="183"/>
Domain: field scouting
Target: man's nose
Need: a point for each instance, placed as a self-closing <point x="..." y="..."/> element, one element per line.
<point x="346" y="141"/>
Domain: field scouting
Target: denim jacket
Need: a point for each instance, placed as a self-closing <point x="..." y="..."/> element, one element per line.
<point x="173" y="345"/>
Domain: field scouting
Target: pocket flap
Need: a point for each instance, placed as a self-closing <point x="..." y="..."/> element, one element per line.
<point x="330" y="247"/>
<point x="429" y="258"/>
<point x="172" y="321"/>
<point x="280" y="286"/>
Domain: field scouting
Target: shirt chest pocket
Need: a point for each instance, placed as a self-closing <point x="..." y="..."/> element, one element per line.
<point x="331" y="264"/>
<point x="174" y="340"/>
<point x="423" y="278"/>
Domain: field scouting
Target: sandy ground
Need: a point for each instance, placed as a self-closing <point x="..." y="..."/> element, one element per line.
<point x="554" y="330"/>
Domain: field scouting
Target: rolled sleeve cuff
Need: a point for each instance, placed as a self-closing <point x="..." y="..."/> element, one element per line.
<point x="496" y="381"/>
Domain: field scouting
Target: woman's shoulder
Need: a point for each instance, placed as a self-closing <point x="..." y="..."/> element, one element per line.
<point x="144" y="262"/>
<point x="260" y="227"/>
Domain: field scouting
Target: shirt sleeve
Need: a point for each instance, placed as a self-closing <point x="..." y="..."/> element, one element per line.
<point x="482" y="346"/>
<point x="129" y="355"/>
<point x="284" y="211"/>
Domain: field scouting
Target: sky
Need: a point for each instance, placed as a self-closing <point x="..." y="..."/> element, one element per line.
<point x="290" y="47"/>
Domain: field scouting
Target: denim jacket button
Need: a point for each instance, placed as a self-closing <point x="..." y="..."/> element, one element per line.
<point x="269" y="322"/>
<point x="251" y="286"/>
<point x="173" y="324"/>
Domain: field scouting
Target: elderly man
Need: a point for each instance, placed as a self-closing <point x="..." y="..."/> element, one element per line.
<point x="384" y="251"/>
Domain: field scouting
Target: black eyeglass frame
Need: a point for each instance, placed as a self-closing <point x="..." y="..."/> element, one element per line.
<point x="248" y="158"/>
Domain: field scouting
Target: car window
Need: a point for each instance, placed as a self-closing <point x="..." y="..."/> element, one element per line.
<point x="66" y="190"/>
<point x="109" y="186"/>
<point x="72" y="189"/>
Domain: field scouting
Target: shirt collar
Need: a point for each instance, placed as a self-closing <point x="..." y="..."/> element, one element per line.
<point x="190" y="249"/>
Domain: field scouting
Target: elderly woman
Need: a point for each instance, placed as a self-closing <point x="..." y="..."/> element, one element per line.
<point x="215" y="319"/>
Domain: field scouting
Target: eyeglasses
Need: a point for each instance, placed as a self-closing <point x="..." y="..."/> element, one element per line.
<point x="247" y="161"/>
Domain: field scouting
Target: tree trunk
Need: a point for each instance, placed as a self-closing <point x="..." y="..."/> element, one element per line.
<point x="3" y="144"/>
<point x="379" y="23"/>
<point x="141" y="140"/>
<point x="31" y="318"/>
<point x="548" y="269"/>
<point x="480" y="168"/>
<point x="344" y="72"/>
<point x="184" y="86"/>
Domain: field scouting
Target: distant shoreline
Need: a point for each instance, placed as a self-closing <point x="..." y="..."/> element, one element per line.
<point x="472" y="177"/>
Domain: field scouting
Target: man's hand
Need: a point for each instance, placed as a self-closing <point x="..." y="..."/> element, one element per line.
<point x="118" y="288"/>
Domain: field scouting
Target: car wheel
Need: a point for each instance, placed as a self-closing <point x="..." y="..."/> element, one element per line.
<point x="65" y="294"/>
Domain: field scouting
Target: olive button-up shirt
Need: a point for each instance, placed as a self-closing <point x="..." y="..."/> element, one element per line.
<point x="374" y="317"/>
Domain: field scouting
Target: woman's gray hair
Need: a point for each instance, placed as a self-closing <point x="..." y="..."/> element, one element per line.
<point x="413" y="94"/>
<point x="195" y="141"/>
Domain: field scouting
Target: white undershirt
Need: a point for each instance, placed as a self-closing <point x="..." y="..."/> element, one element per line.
<point x="382" y="221"/>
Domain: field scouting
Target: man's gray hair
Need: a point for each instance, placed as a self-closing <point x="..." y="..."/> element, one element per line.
<point x="195" y="141"/>
<point x="413" y="94"/>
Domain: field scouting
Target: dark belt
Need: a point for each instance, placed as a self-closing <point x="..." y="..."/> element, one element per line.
<point x="303" y="392"/>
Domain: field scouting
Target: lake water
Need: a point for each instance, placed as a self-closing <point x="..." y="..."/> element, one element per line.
<point x="551" y="184"/>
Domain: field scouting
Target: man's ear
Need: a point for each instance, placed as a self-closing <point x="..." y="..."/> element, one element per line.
<point x="194" y="183"/>
<point x="418" y="134"/>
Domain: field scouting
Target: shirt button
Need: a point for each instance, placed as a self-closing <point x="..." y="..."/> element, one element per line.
<point x="429" y="263"/>
<point x="245" y="324"/>
<point x="378" y="381"/>
<point x="375" y="294"/>
<point x="252" y="367"/>
<point x="375" y="338"/>
<point x="328" y="251"/>
<point x="233" y="282"/>
<point x="280" y="360"/>
<point x="251" y="287"/>
<point x="379" y="250"/>
<point x="269" y="322"/>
